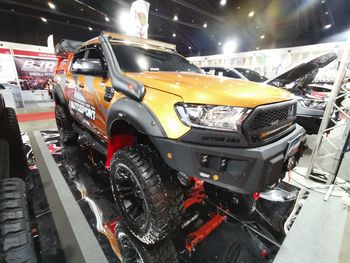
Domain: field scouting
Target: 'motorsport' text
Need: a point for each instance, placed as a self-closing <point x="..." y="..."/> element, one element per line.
<point x="82" y="107"/>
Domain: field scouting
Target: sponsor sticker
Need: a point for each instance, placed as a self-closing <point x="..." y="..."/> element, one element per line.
<point x="82" y="107"/>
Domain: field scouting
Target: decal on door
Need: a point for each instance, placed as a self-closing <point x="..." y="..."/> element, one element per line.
<point x="84" y="108"/>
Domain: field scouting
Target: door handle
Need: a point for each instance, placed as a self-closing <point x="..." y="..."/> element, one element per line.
<point x="81" y="85"/>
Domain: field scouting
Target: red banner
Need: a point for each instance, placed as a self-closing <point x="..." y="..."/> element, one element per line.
<point x="34" y="73"/>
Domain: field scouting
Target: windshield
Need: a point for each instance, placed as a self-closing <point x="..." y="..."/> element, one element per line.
<point x="251" y="75"/>
<point x="139" y="59"/>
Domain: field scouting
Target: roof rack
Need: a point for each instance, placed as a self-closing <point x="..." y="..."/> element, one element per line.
<point x="137" y="40"/>
<point x="66" y="46"/>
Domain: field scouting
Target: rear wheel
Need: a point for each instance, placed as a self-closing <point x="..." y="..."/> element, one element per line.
<point x="4" y="160"/>
<point x="64" y="126"/>
<point x="16" y="242"/>
<point x="132" y="250"/>
<point x="148" y="200"/>
<point x="10" y="131"/>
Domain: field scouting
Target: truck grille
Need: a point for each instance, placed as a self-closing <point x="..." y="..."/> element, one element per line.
<point x="270" y="122"/>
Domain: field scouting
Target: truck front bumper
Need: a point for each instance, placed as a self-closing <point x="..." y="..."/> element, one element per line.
<point x="242" y="170"/>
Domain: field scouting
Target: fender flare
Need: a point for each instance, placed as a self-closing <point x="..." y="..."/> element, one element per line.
<point x="59" y="95"/>
<point x="137" y="115"/>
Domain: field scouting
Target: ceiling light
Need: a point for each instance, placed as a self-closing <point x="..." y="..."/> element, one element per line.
<point x="257" y="48"/>
<point x="219" y="43"/>
<point x="262" y="36"/>
<point x="106" y="18"/>
<point x="156" y="9"/>
<point x="176" y="18"/>
<point x="43" y="19"/>
<point x="174" y="35"/>
<point x="51" y="5"/>
<point x="205" y="25"/>
<point x="229" y="47"/>
<point x="251" y="14"/>
<point x="323" y="1"/>
<point x="189" y="48"/>
<point x="326" y="13"/>
<point x="223" y="2"/>
<point x="90" y="28"/>
<point x="81" y="9"/>
<point x="238" y="7"/>
<point x="328" y="26"/>
<point x="124" y="20"/>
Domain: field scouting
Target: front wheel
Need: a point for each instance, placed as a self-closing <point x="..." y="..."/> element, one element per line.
<point x="132" y="250"/>
<point x="144" y="193"/>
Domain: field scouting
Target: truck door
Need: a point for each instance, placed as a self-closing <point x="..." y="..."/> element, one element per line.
<point x="94" y="89"/>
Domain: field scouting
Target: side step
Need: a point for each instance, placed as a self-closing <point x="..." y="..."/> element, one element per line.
<point x="85" y="137"/>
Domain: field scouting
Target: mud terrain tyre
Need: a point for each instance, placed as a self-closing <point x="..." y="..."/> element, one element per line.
<point x="4" y="160"/>
<point x="64" y="126"/>
<point x="132" y="250"/>
<point x="149" y="202"/>
<point x="16" y="242"/>
<point x="11" y="133"/>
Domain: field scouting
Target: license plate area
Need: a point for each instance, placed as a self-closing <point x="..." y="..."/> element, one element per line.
<point x="293" y="146"/>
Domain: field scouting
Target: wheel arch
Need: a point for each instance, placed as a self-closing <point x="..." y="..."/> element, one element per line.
<point x="59" y="95"/>
<point x="136" y="114"/>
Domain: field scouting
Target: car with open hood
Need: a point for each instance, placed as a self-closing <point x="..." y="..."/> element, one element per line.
<point x="311" y="105"/>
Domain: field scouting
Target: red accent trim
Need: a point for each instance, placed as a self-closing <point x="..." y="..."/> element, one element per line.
<point x="195" y="237"/>
<point x="112" y="224"/>
<point x="256" y="196"/>
<point x="197" y="194"/>
<point x="117" y="142"/>
<point x="264" y="253"/>
<point x="37" y="116"/>
<point x="33" y="53"/>
<point x="5" y="51"/>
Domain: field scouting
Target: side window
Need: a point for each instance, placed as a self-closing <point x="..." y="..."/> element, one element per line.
<point x="219" y="73"/>
<point x="231" y="74"/>
<point x="77" y="56"/>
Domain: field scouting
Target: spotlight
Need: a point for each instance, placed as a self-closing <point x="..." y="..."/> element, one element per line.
<point x="174" y="35"/>
<point x="51" y="5"/>
<point x="43" y="19"/>
<point x="229" y="47"/>
<point x="205" y="25"/>
<point x="328" y="26"/>
<point x="251" y="14"/>
<point x="90" y="28"/>
<point x="189" y="48"/>
<point x="175" y="18"/>
<point x="223" y="2"/>
<point x="262" y="36"/>
<point x="106" y="18"/>
<point x="124" y="20"/>
<point x="219" y="43"/>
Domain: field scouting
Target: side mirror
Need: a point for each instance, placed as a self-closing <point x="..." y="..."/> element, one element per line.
<point x="89" y="66"/>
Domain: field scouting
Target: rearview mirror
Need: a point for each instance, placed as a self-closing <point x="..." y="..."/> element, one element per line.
<point x="89" y="66"/>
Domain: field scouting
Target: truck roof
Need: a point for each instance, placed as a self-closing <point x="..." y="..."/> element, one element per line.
<point x="132" y="40"/>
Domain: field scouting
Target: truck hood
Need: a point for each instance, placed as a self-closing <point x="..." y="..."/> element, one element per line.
<point x="303" y="74"/>
<point x="204" y="89"/>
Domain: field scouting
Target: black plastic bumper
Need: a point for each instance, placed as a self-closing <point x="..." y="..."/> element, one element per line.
<point x="243" y="170"/>
<point x="310" y="123"/>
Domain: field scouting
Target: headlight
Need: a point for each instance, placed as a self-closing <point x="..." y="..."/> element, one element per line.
<point x="223" y="118"/>
<point x="314" y="104"/>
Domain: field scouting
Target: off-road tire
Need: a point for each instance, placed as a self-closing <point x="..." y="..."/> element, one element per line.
<point x="10" y="131"/>
<point x="4" y="160"/>
<point x="162" y="197"/>
<point x="16" y="242"/>
<point x="132" y="249"/>
<point x="64" y="126"/>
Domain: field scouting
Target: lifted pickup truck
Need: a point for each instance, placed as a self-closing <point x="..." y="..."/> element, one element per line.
<point x="164" y="126"/>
